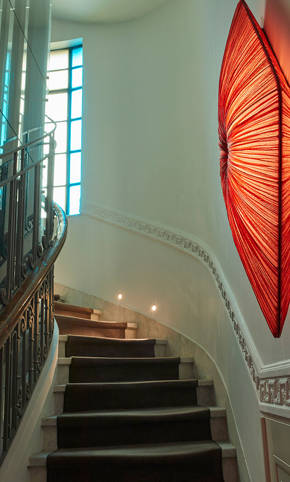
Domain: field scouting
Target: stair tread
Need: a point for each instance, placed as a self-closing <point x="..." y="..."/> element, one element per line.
<point x="68" y="307"/>
<point x="39" y="459"/>
<point x="180" y="382"/>
<point x="89" y="360"/>
<point x="91" y="323"/>
<point x="68" y="360"/>
<point x="137" y="414"/>
<point x="99" y="339"/>
<point x="142" y="453"/>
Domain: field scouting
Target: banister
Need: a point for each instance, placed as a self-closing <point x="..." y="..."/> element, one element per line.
<point x="32" y="232"/>
<point x="29" y="143"/>
<point x="10" y="315"/>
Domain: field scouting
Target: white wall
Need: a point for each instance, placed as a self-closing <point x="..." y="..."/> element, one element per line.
<point x="151" y="151"/>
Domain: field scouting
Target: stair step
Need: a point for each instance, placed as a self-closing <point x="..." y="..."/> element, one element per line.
<point x="74" y="310"/>
<point x="133" y="427"/>
<point x="115" y="420"/>
<point x="86" y="327"/>
<point x="109" y="347"/>
<point x="126" y="395"/>
<point x="176" y="462"/>
<point x="185" y="369"/>
<point x="103" y="369"/>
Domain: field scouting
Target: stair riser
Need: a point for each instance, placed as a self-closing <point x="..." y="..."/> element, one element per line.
<point x="158" y="350"/>
<point x="58" y="402"/>
<point x="61" y="348"/>
<point x="67" y="329"/>
<point x="95" y="317"/>
<point x="124" y="372"/>
<point x="128" y="397"/>
<point x="230" y="469"/>
<point x="76" y="314"/>
<point x="49" y="438"/>
<point x="173" y="472"/>
<point x="219" y="429"/>
<point x="185" y="371"/>
<point x="218" y="433"/>
<point x="205" y="396"/>
<point x="104" y="435"/>
<point x="79" y="348"/>
<point x="131" y="333"/>
<point x="38" y="474"/>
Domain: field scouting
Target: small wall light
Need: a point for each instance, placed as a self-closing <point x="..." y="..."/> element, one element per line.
<point x="154" y="308"/>
<point x="120" y="296"/>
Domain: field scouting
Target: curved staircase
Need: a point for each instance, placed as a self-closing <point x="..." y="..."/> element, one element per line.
<point x="126" y="411"/>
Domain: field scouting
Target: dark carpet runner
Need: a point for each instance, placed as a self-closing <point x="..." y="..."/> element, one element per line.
<point x="127" y="418"/>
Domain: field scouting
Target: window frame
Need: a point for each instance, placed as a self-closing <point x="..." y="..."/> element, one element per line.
<point x="69" y="120"/>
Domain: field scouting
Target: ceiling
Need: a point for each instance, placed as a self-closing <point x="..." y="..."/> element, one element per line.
<point x="95" y="11"/>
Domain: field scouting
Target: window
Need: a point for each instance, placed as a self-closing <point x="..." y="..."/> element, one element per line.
<point x="64" y="106"/>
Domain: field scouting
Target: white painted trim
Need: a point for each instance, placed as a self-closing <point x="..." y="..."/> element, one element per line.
<point x="271" y="409"/>
<point x="193" y="246"/>
<point x="278" y="369"/>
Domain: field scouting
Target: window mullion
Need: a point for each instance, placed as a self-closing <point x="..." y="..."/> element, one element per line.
<point x="69" y="131"/>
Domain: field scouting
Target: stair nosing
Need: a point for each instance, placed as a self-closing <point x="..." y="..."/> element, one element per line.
<point x="39" y="459"/>
<point x="177" y="381"/>
<point x="215" y="412"/>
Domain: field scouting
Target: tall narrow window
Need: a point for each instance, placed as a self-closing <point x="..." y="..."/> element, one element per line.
<point x="64" y="106"/>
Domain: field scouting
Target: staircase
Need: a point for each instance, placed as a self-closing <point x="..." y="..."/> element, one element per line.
<point x="126" y="411"/>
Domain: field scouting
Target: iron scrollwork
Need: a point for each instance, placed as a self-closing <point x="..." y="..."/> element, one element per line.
<point x="22" y="357"/>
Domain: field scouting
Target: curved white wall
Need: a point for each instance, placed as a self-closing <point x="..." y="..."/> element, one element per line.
<point x="151" y="151"/>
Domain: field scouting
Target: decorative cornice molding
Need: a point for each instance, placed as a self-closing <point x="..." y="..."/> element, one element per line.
<point x="270" y="390"/>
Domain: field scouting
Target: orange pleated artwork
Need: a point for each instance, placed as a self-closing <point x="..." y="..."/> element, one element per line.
<point x="254" y="133"/>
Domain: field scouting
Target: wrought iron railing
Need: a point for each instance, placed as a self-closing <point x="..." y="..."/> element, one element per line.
<point x="33" y="230"/>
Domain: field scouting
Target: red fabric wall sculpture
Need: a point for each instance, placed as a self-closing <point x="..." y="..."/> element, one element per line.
<point x="254" y="133"/>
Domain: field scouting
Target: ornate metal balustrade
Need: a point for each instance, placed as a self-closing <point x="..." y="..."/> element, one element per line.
<point x="32" y="232"/>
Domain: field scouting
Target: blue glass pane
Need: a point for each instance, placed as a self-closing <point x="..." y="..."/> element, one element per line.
<point x="76" y="103"/>
<point x="74" y="199"/>
<point x="75" y="167"/>
<point x="76" y="135"/>
<point x="77" y="77"/>
<point x="77" y="56"/>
